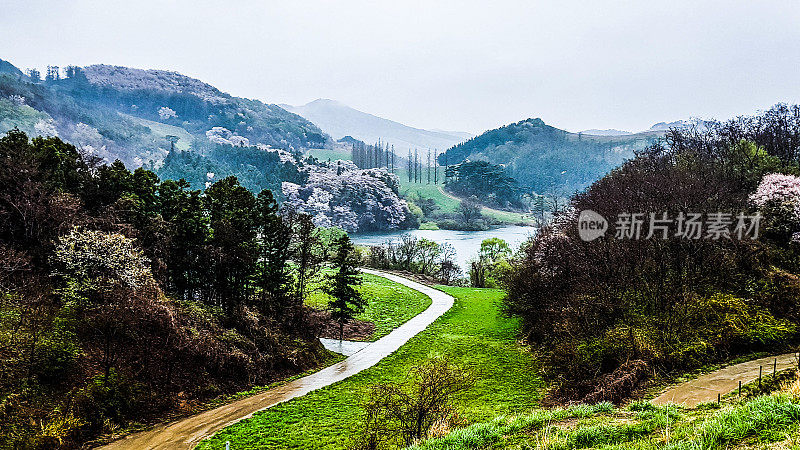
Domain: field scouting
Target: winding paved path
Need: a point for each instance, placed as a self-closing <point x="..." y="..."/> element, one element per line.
<point x="706" y="387"/>
<point x="186" y="433"/>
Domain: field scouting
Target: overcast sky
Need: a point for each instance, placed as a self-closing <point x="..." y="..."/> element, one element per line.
<point x="460" y="65"/>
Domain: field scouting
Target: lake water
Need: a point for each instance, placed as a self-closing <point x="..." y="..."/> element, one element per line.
<point x="466" y="243"/>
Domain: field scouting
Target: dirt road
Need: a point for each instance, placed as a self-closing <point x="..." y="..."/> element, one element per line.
<point x="186" y="433"/>
<point x="706" y="387"/>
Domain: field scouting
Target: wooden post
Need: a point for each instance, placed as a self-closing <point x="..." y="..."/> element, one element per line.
<point x="719" y="398"/>
<point x="760" y="369"/>
<point x="774" y="367"/>
<point x="740" y="388"/>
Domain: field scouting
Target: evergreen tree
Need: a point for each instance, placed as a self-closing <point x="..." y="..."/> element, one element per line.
<point x="435" y="167"/>
<point x="409" y="167"/>
<point x="273" y="277"/>
<point x="232" y="254"/>
<point x="429" y="166"/>
<point x="307" y="251"/>
<point x="345" y="300"/>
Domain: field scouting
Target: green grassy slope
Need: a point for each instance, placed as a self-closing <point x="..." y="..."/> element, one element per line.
<point x="389" y="304"/>
<point x="473" y="334"/>
<point x="769" y="421"/>
<point x="447" y="203"/>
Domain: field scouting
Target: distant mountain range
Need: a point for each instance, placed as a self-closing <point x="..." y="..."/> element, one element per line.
<point x="660" y="126"/>
<point x="340" y="120"/>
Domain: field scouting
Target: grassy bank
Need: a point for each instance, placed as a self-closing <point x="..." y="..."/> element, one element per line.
<point x="768" y="420"/>
<point x="389" y="304"/>
<point x="448" y="203"/>
<point x="473" y="334"/>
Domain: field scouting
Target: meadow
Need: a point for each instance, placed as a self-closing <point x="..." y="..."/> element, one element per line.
<point x="472" y="334"/>
<point x="389" y="304"/>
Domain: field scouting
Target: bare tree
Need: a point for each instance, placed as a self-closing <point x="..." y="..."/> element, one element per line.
<point x="469" y="210"/>
<point x="405" y="412"/>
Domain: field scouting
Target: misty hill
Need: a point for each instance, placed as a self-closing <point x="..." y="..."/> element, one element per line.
<point x="340" y="120"/>
<point x="608" y="132"/>
<point x="545" y="158"/>
<point x="127" y="114"/>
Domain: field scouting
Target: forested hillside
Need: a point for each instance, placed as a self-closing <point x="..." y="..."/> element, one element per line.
<point x="699" y="262"/>
<point x="544" y="158"/>
<point x="125" y="298"/>
<point x="182" y="128"/>
<point x="137" y="115"/>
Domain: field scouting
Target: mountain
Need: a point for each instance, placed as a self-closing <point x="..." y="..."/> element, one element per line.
<point x="665" y="126"/>
<point x="138" y="115"/>
<point x="8" y="68"/>
<point x="608" y="132"/>
<point x="340" y="120"/>
<point x="546" y="159"/>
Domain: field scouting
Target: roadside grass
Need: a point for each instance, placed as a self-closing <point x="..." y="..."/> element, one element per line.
<point x="389" y="304"/>
<point x="755" y="423"/>
<point x="473" y="334"/>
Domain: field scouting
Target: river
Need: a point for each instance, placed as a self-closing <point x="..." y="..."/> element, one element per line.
<point x="466" y="243"/>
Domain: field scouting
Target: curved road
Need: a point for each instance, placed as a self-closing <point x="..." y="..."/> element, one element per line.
<point x="188" y="432"/>
<point x="706" y="387"/>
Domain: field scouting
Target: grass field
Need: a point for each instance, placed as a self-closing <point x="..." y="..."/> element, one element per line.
<point x="448" y="204"/>
<point x="769" y="421"/>
<point x="473" y="334"/>
<point x="161" y="130"/>
<point x="389" y="304"/>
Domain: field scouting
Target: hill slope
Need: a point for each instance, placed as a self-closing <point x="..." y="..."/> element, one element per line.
<point x="542" y="157"/>
<point x="127" y="114"/>
<point x="340" y="120"/>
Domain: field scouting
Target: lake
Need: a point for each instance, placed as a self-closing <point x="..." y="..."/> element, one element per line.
<point x="466" y="243"/>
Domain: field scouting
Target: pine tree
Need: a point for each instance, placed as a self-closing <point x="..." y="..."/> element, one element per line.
<point x="416" y="166"/>
<point x="409" y="168"/>
<point x="429" y="166"/>
<point x="345" y="300"/>
<point x="435" y="166"/>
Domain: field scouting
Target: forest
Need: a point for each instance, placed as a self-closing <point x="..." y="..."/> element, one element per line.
<point x="607" y="314"/>
<point x="125" y="298"/>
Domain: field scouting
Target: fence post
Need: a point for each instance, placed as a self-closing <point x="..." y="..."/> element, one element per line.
<point x="760" y="368"/>
<point x="774" y="367"/>
<point x="719" y="398"/>
<point x="740" y="389"/>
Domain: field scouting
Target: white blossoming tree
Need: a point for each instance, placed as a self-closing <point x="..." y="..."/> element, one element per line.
<point x="354" y="200"/>
<point x="166" y="113"/>
<point x="101" y="261"/>
<point x="778" y="199"/>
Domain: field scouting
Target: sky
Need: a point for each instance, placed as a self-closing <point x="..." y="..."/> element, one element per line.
<point x="460" y="65"/>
